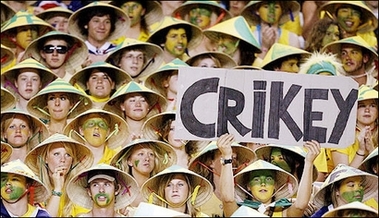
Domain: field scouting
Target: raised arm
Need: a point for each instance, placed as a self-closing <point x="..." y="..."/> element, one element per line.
<point x="224" y="144"/>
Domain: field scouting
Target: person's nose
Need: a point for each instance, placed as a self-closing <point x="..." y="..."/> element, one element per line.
<point x="57" y="101"/>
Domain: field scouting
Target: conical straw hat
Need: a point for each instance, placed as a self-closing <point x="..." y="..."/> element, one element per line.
<point x="38" y="128"/>
<point x="245" y="211"/>
<point x="353" y="206"/>
<point x="157" y="29"/>
<point x="122" y="20"/>
<point x="77" y="186"/>
<point x="117" y="125"/>
<point x="18" y="167"/>
<point x="119" y="76"/>
<point x="225" y="60"/>
<point x="155" y="79"/>
<point x="8" y="100"/>
<point x="54" y="11"/>
<point x="283" y="179"/>
<point x="183" y="10"/>
<point x="7" y="57"/>
<point x="368" y="19"/>
<point x="341" y="172"/>
<point x="76" y="56"/>
<point x="22" y="18"/>
<point x="264" y="153"/>
<point x="6" y="12"/>
<point x="236" y="27"/>
<point x="279" y="50"/>
<point x="154" y="184"/>
<point x="366" y="93"/>
<point x="290" y="10"/>
<point x="39" y="101"/>
<point x="83" y="155"/>
<point x="365" y="163"/>
<point x="153" y="54"/>
<point x="165" y="154"/>
<point x="156" y="101"/>
<point x="6" y="152"/>
<point x="335" y="48"/>
<point x="11" y="74"/>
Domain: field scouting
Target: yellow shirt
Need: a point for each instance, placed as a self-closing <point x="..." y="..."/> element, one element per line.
<point x="213" y="207"/>
<point x="107" y="156"/>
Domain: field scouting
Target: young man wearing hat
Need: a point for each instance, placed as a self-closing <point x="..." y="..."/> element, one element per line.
<point x="18" y="183"/>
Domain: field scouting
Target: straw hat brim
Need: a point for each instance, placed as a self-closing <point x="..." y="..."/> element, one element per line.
<point x="151" y="52"/>
<point x="264" y="153"/>
<point x="40" y="130"/>
<point x="119" y="139"/>
<point x="356" y="206"/>
<point x="7" y="55"/>
<point x="282" y="178"/>
<point x="158" y="28"/>
<point x="153" y="183"/>
<point x="6" y="11"/>
<point x="53" y="11"/>
<point x="342" y="172"/>
<point x="162" y="148"/>
<point x="364" y="165"/>
<point x="41" y="192"/>
<point x="77" y="187"/>
<point x="119" y="75"/>
<point x="83" y="154"/>
<point x="6" y="152"/>
<point x="8" y="99"/>
<point x="157" y="102"/>
<point x="122" y="21"/>
<point x="225" y="60"/>
<point x="39" y="101"/>
<point x="249" y="12"/>
<point x="73" y="61"/>
<point x="151" y="127"/>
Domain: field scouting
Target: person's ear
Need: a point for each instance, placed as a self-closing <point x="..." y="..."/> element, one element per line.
<point x="118" y="189"/>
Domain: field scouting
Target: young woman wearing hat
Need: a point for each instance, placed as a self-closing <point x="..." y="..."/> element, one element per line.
<point x="26" y="79"/>
<point x="366" y="130"/>
<point x="178" y="189"/>
<point x="22" y="131"/>
<point x="261" y="175"/>
<point x="58" y="103"/>
<point x="142" y="159"/>
<point x="103" y="189"/>
<point x="55" y="161"/>
<point x="18" y="184"/>
<point x="344" y="185"/>
<point x="57" y="17"/>
<point x="211" y="59"/>
<point x="207" y="164"/>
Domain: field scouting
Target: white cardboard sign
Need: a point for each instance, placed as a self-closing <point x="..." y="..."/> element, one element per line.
<point x="265" y="106"/>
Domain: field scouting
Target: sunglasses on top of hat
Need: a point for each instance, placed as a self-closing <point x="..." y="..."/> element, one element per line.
<point x="61" y="49"/>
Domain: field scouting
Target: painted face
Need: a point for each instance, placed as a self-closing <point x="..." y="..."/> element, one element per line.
<point x="171" y="84"/>
<point x="176" y="42"/>
<point x="99" y="28"/>
<point x="332" y="34"/>
<point x="95" y="130"/>
<point x="102" y="192"/>
<point x="176" y="143"/>
<point x="59" y="22"/>
<point x="132" y="62"/>
<point x="270" y="12"/>
<point x="367" y="112"/>
<point x="134" y="10"/>
<point x="352" y="58"/>
<point x="59" y="158"/>
<point x="176" y="191"/>
<point x="25" y="35"/>
<point x="135" y="106"/>
<point x="142" y="160"/>
<point x="349" y="18"/>
<point x="18" y="131"/>
<point x="262" y="185"/>
<point x="200" y="17"/>
<point x="278" y="159"/>
<point x="13" y="186"/>
<point x="290" y="66"/>
<point x="207" y="62"/>
<point x="352" y="189"/>
<point x="52" y="57"/>
<point x="58" y="105"/>
<point x="227" y="44"/>
<point x="28" y="83"/>
<point x="100" y="85"/>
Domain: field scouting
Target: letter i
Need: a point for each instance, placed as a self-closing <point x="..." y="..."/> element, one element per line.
<point x="259" y="109"/>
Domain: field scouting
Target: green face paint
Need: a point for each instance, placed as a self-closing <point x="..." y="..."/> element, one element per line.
<point x="271" y="12"/>
<point x="13" y="186"/>
<point x="278" y="160"/>
<point x="102" y="196"/>
<point x="353" y="196"/>
<point x="262" y="176"/>
<point x="136" y="162"/>
<point x="91" y="123"/>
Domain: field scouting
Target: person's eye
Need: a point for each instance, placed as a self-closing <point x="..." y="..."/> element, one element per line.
<point x="56" y="154"/>
<point x="51" y="98"/>
<point x="103" y="125"/>
<point x="23" y="126"/>
<point x="67" y="155"/>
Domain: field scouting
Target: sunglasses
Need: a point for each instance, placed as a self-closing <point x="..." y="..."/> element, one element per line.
<point x="61" y="49"/>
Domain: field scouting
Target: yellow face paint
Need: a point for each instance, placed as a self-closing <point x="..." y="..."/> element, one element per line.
<point x="200" y="17"/>
<point x="13" y="186"/>
<point x="262" y="185"/>
<point x="349" y="18"/>
<point x="25" y="35"/>
<point x="95" y="131"/>
<point x="270" y="12"/>
<point x="176" y="42"/>
<point x="352" y="189"/>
